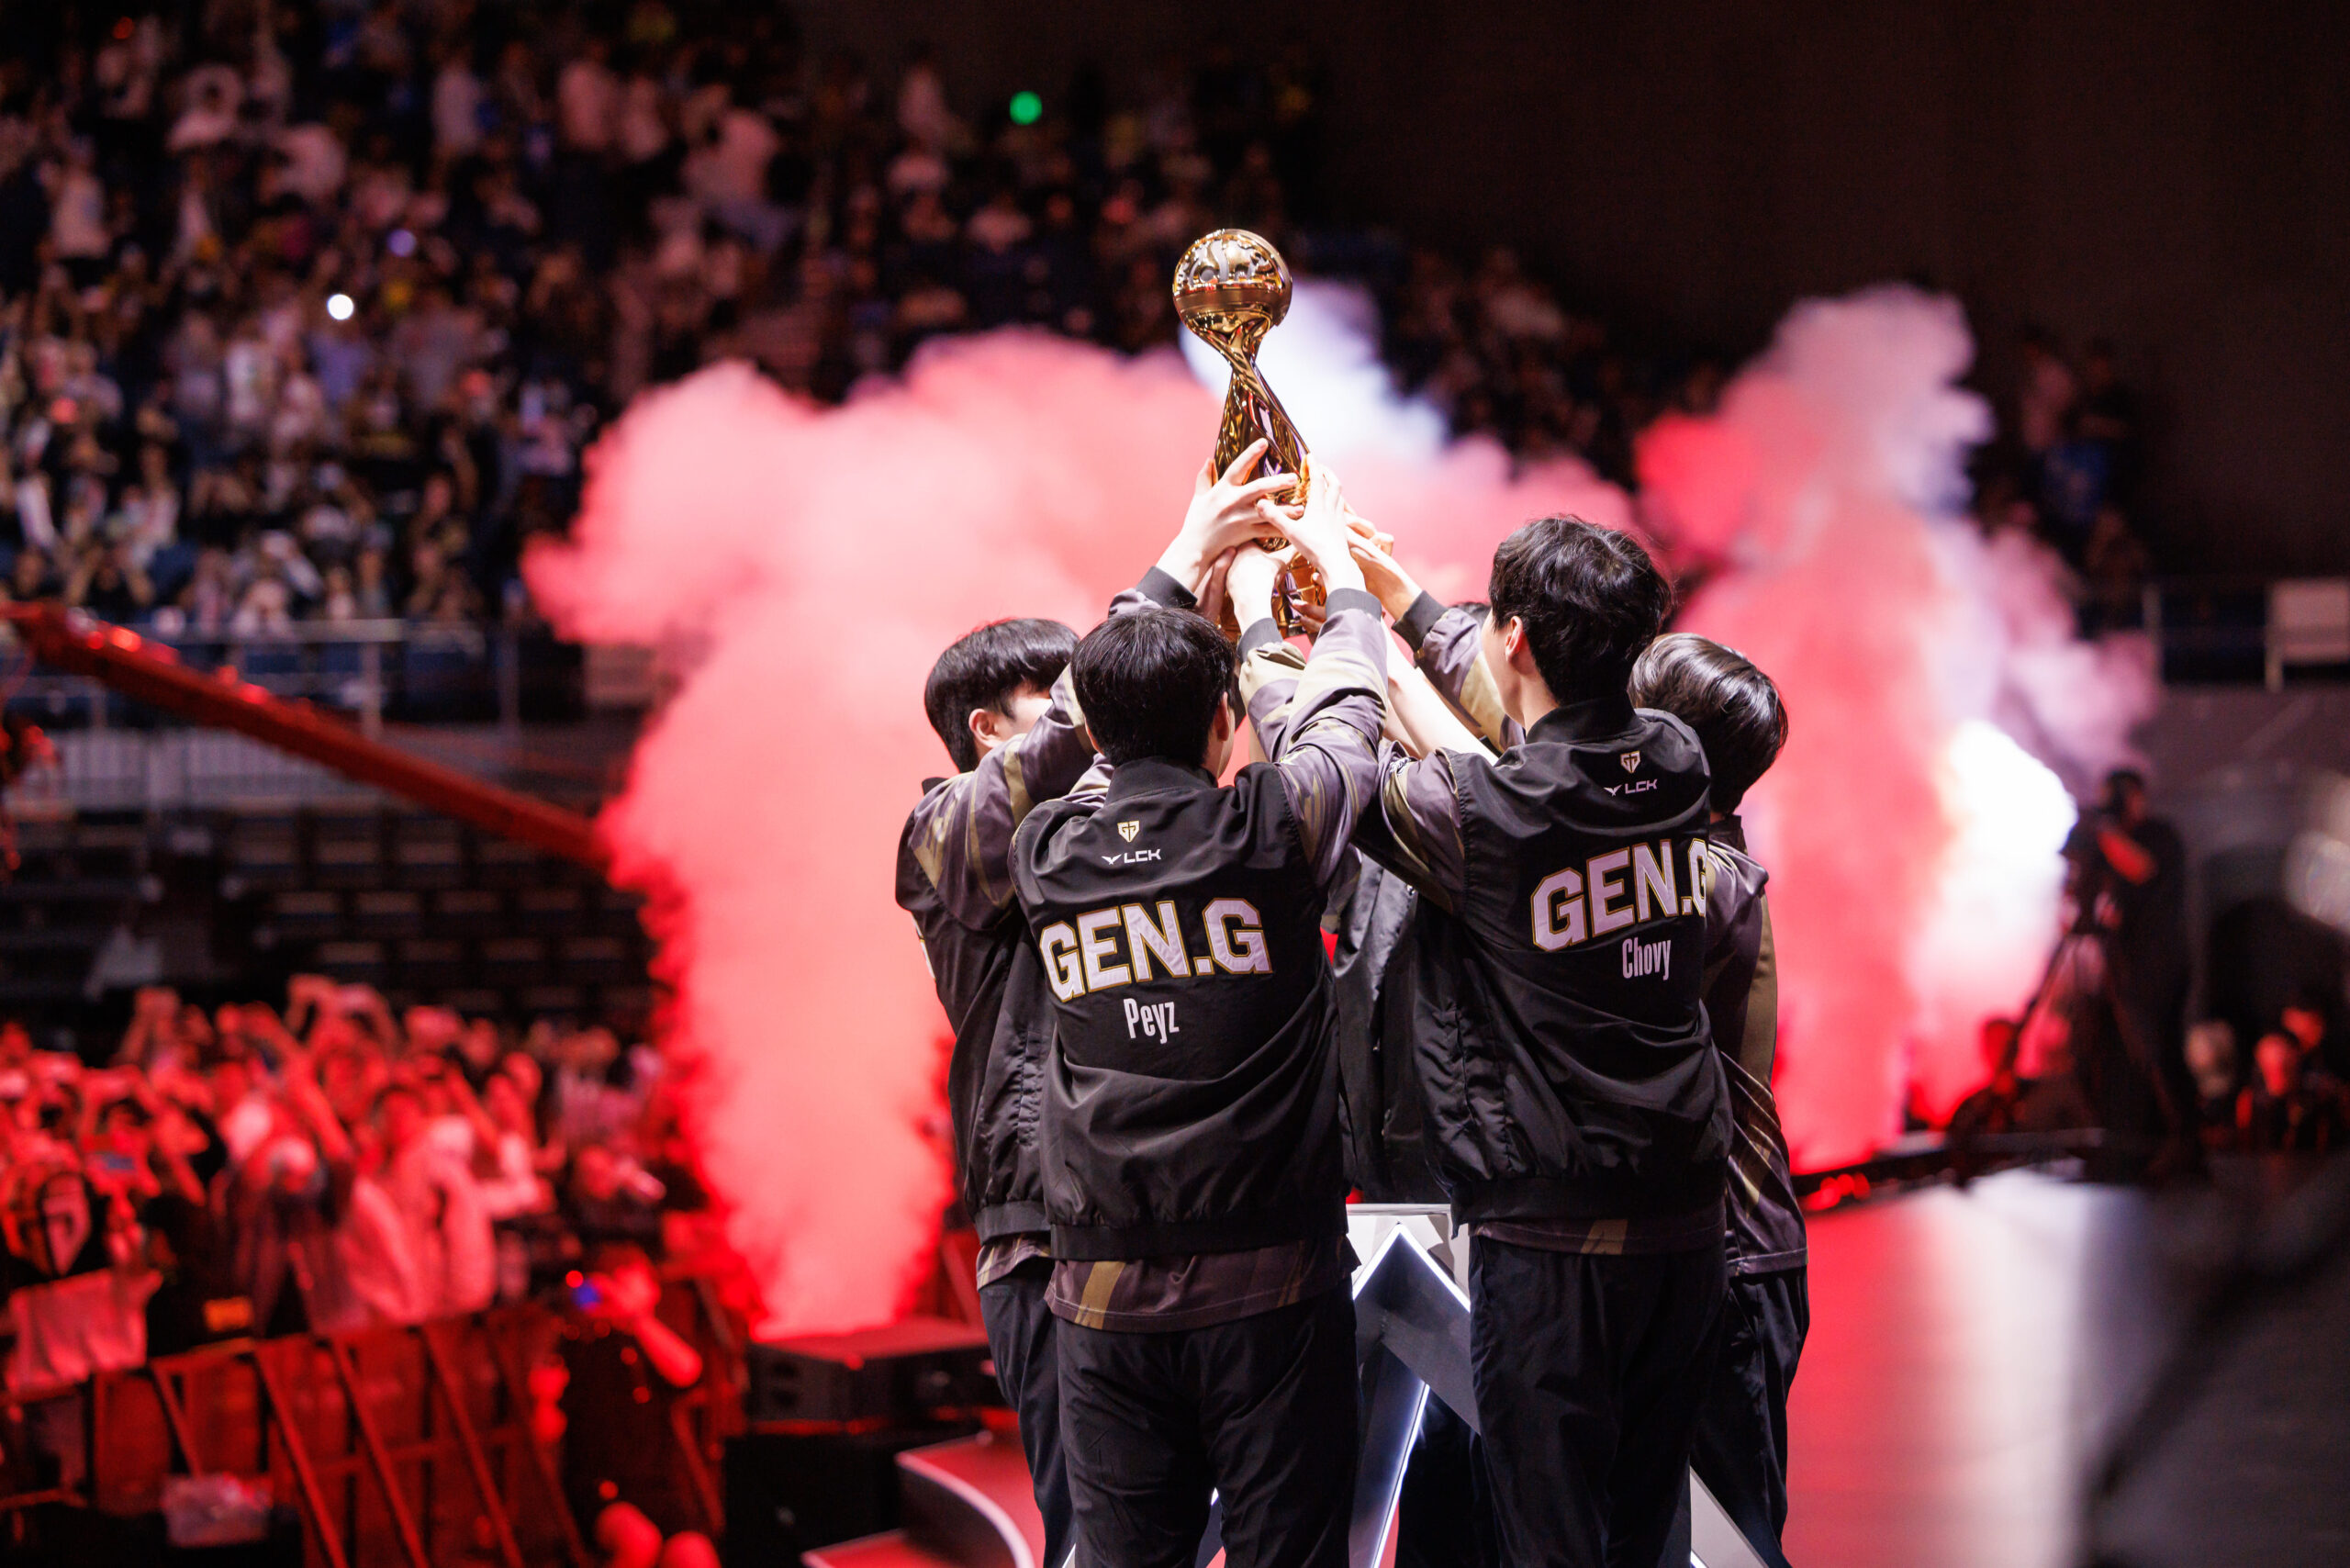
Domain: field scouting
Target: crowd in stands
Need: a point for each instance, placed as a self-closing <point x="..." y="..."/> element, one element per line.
<point x="307" y="310"/>
<point x="2292" y="1099"/>
<point x="2289" y="1099"/>
<point x="327" y="1167"/>
<point x="2067" y="471"/>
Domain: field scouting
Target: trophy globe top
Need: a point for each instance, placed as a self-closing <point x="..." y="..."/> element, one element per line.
<point x="1232" y="283"/>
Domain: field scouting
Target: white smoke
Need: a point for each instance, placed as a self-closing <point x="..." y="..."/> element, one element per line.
<point x="1323" y="362"/>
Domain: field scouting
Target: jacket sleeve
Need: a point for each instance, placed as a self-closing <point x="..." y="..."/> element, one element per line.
<point x="1414" y="827"/>
<point x="1318" y="720"/>
<point x="1444" y="643"/>
<point x="961" y="832"/>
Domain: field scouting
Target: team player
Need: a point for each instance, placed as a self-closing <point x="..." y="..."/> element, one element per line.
<point x="1577" y="1113"/>
<point x="996" y="697"/>
<point x="1741" y="1448"/>
<point x="1001" y="701"/>
<point x="1192" y="1167"/>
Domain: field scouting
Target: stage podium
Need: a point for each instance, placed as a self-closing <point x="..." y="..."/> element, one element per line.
<point x="1412" y="1341"/>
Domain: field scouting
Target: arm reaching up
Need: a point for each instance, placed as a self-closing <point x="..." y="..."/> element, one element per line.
<point x="1422" y="721"/>
<point x="1318" y="719"/>
<point x="1444" y="642"/>
<point x="961" y="832"/>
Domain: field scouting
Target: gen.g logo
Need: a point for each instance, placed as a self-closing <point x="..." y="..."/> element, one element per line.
<point x="1127" y="830"/>
<point x="1632" y="761"/>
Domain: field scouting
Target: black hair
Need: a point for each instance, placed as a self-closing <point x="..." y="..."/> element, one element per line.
<point x="2122" y="778"/>
<point x="1719" y="694"/>
<point x="1589" y="597"/>
<point x="1150" y="683"/>
<point x="985" y="670"/>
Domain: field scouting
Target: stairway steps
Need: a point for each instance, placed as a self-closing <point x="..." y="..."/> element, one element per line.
<point x="894" y="1549"/>
<point x="973" y="1497"/>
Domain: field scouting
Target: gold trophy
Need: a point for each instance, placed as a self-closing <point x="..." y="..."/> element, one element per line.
<point x="1231" y="288"/>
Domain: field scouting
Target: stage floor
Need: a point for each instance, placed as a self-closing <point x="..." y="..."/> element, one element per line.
<point x="1972" y="1351"/>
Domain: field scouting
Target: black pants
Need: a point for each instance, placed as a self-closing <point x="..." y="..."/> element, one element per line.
<point x="1445" y="1518"/>
<point x="1589" y="1372"/>
<point x="1020" y="1338"/>
<point x="1261" y="1410"/>
<point x="1741" y="1449"/>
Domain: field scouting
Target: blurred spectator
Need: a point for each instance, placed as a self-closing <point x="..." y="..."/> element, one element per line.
<point x="2108" y="415"/>
<point x="2211" y="1059"/>
<point x="78" y="1282"/>
<point x="2113" y="563"/>
<point x="2289" y="1107"/>
<point x="608" y="1199"/>
<point x="2130" y="880"/>
<point x="2010" y="1103"/>
<point x="445" y="1221"/>
<point x="2321" y="1047"/>
<point x="625" y="1366"/>
<point x="1997" y="1107"/>
<point x="2044" y="395"/>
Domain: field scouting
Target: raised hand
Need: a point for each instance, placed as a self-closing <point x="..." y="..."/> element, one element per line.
<point x="1382" y="574"/>
<point x="1321" y="532"/>
<point x="1225" y="512"/>
<point x="1251" y="580"/>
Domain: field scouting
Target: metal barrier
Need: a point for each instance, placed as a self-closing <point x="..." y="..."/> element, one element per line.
<point x="174" y="769"/>
<point x="396" y="1445"/>
<point x="367" y="668"/>
<point x="2206" y="630"/>
<point x="2232" y="630"/>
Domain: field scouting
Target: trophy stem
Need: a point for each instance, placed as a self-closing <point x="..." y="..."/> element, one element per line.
<point x="1251" y="413"/>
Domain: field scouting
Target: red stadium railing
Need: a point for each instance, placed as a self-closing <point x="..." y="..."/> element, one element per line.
<point x="410" y="1444"/>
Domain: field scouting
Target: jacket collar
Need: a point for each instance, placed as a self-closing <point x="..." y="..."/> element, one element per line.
<point x="1594" y="718"/>
<point x="1729" y="831"/>
<point x="1156" y="776"/>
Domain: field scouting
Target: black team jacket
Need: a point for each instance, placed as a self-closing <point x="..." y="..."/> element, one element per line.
<point x="955" y="879"/>
<point x="1192" y="1105"/>
<point x="1559" y="1033"/>
<point x="1371" y="964"/>
<point x="989" y="981"/>
<point x="1766" y="1227"/>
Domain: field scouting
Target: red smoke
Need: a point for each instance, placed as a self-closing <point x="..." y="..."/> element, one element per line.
<point x="801" y="568"/>
<point x="1913" y="847"/>
<point x="805" y="565"/>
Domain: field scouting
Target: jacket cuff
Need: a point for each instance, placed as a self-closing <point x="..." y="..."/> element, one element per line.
<point x="1259" y="634"/>
<point x="1359" y="599"/>
<point x="1420" y="620"/>
<point x="1161" y="589"/>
